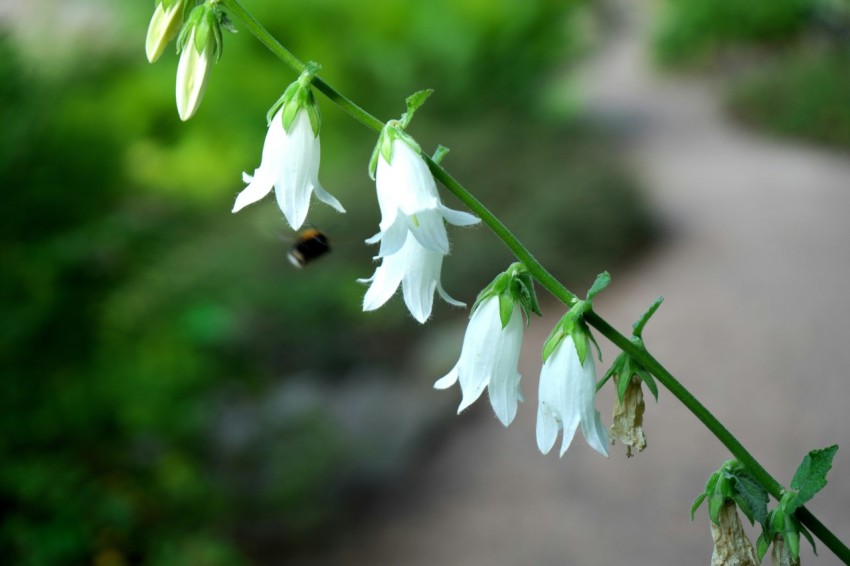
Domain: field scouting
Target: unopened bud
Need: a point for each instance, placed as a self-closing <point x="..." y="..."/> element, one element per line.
<point x="165" y="23"/>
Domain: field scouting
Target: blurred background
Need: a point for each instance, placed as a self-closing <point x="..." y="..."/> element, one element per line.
<point x="174" y="392"/>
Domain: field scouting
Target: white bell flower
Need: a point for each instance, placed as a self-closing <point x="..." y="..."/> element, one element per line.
<point x="290" y="164"/>
<point x="489" y="358"/>
<point x="567" y="397"/>
<point x="417" y="269"/>
<point x="409" y="202"/>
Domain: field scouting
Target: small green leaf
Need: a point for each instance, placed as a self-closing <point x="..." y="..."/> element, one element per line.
<point x="414" y="101"/>
<point x="811" y="475"/>
<point x="602" y="281"/>
<point x="644" y="318"/>
<point x="439" y="154"/>
<point x="717" y="498"/>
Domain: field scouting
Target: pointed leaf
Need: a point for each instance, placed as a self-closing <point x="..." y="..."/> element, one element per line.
<point x="602" y="281"/>
<point x="792" y="541"/>
<point x="811" y="475"/>
<point x="644" y="318"/>
<point x="414" y="101"/>
<point x="439" y="154"/>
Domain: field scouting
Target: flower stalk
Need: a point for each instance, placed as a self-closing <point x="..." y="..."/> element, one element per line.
<point x="551" y="284"/>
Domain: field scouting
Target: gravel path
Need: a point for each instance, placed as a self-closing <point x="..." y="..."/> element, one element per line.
<point x="756" y="322"/>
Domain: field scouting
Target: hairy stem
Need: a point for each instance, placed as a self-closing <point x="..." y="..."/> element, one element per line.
<point x="551" y="284"/>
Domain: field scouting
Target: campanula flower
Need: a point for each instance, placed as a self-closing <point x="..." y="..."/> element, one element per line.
<point x="291" y="153"/>
<point x="489" y="359"/>
<point x="567" y="398"/>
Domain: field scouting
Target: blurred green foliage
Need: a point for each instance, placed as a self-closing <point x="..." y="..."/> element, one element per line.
<point x="789" y="58"/>
<point x="802" y="94"/>
<point x="689" y="30"/>
<point x="171" y="390"/>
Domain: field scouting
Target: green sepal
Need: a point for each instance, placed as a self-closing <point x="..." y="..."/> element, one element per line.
<point x="601" y="282"/>
<point x="810" y="476"/>
<point x="203" y="20"/>
<point x="792" y="541"/>
<point x="414" y="101"/>
<point x="439" y="154"/>
<point x="513" y="286"/>
<point x="615" y="369"/>
<point x="392" y="130"/>
<point x="732" y="482"/>
<point x="808" y="536"/>
<point x="624" y="379"/>
<point x="762" y="544"/>
<point x="709" y="489"/>
<point x="650" y="382"/>
<point x="644" y="318"/>
<point x="722" y="492"/>
<point x="697" y="502"/>
<point x="506" y="308"/>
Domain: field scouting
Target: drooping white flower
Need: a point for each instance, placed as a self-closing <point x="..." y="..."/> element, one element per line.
<point x="200" y="46"/>
<point x="165" y="23"/>
<point x="489" y="359"/>
<point x="412" y="236"/>
<point x="408" y="199"/>
<point x="290" y="164"/>
<point x="417" y="269"/>
<point x="567" y="398"/>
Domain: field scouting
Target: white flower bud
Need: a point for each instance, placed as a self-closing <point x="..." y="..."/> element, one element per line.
<point x="165" y="23"/>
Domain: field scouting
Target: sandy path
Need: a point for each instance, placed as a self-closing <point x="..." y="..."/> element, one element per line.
<point x="756" y="275"/>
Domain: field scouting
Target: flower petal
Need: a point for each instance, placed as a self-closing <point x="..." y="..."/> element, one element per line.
<point x="457" y="217"/>
<point x="293" y="184"/>
<point x="447" y="380"/>
<point x="428" y="228"/>
<point x="258" y="186"/>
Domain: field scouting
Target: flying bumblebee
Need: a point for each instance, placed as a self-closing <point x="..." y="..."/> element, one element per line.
<point x="309" y="246"/>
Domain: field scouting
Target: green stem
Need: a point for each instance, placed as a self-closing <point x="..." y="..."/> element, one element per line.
<point x="551" y="284"/>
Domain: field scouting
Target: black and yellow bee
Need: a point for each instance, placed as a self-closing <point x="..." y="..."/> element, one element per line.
<point x="309" y="246"/>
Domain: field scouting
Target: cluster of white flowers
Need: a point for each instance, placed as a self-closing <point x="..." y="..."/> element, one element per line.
<point x="412" y="237"/>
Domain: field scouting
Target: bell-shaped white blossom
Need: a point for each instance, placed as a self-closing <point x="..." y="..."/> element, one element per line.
<point x="290" y="164"/>
<point x="165" y="23"/>
<point x="417" y="269"/>
<point x="567" y="397"/>
<point x="489" y="358"/>
<point x="409" y="202"/>
<point x="412" y="230"/>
